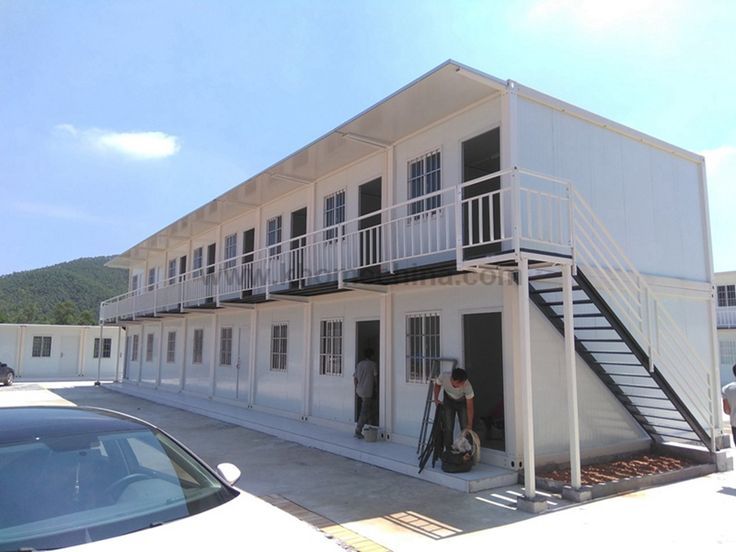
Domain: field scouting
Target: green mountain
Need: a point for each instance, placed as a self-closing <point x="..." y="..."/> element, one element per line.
<point x="66" y="293"/>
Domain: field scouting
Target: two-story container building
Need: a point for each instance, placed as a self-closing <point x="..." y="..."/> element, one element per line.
<point x="465" y="218"/>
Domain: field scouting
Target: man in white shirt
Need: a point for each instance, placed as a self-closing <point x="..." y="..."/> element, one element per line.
<point x="729" y="402"/>
<point x="457" y="400"/>
<point x="365" y="378"/>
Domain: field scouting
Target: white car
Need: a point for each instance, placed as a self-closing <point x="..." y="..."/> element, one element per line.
<point x="93" y="479"/>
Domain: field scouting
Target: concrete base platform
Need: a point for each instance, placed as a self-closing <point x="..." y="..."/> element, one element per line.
<point x="391" y="456"/>
<point x="536" y="505"/>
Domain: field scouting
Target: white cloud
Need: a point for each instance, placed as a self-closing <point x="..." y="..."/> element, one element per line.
<point x="653" y="18"/>
<point x="720" y="164"/>
<point x="62" y="212"/>
<point x="137" y="145"/>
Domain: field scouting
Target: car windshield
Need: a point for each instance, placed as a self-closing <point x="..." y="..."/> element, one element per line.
<point x="69" y="490"/>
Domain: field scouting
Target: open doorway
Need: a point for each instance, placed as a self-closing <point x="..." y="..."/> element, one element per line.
<point x="367" y="336"/>
<point x="296" y="247"/>
<point x="369" y="201"/>
<point x="482" y="343"/>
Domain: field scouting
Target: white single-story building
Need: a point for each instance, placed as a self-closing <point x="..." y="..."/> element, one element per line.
<point x="59" y="352"/>
<point x="466" y="218"/>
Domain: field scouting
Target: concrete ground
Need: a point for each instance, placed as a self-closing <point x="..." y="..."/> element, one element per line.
<point x="402" y="513"/>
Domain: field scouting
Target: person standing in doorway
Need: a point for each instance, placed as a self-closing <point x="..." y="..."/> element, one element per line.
<point x="365" y="378"/>
<point x="457" y="400"/>
<point x="729" y="402"/>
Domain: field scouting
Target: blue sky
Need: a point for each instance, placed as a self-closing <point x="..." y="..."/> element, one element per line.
<point x="119" y="117"/>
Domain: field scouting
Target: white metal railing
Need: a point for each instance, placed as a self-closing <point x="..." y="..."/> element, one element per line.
<point x="726" y="317"/>
<point x="644" y="315"/>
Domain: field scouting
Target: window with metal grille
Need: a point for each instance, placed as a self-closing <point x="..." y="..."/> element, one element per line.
<point x="273" y="236"/>
<point x="231" y="250"/>
<point x="171" y="347"/>
<point x="422" y="345"/>
<point x="134" y="283"/>
<point x="197" y="346"/>
<point x="279" y="338"/>
<point x="424" y="178"/>
<point x="172" y="271"/>
<point x="149" y="347"/>
<point x="41" y="346"/>
<point x="106" y="347"/>
<point x="334" y="213"/>
<point x="134" y="349"/>
<point x="197" y="256"/>
<point x="226" y="346"/>
<point x="152" y="277"/>
<point x="330" y="348"/>
<point x="726" y="296"/>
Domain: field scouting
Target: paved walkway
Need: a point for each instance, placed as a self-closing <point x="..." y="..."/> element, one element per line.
<point x="381" y="509"/>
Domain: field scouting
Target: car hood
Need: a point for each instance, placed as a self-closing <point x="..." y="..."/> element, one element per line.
<point x="245" y="521"/>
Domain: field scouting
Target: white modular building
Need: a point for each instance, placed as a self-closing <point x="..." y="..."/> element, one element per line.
<point x="60" y="352"/>
<point x="562" y="259"/>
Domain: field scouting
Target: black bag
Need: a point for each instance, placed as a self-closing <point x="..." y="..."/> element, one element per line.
<point x="456" y="462"/>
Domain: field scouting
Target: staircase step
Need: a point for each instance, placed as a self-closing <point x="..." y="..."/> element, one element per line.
<point x="601" y="340"/>
<point x="551" y="290"/>
<point x="638" y="386"/>
<point x="546" y="276"/>
<point x="630" y="396"/>
<point x="628" y="376"/>
<point x="575" y="302"/>
<point x="593" y="328"/>
<point x="645" y="417"/>
<point x="619" y="364"/>
<point x="586" y="315"/>
<point x="610" y="352"/>
<point x="681" y="437"/>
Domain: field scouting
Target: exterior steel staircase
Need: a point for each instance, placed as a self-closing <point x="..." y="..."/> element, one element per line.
<point x="613" y="354"/>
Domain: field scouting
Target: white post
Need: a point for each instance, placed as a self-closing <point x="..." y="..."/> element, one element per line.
<point x="252" y="372"/>
<point x="161" y="354"/>
<point x="184" y="355"/>
<point x="117" y="354"/>
<point x="99" y="354"/>
<point x="526" y="379"/>
<point x="459" y="227"/>
<point x="80" y="355"/>
<point x="307" y="359"/>
<point x="213" y="356"/>
<point x="572" y="384"/>
<point x="19" y="350"/>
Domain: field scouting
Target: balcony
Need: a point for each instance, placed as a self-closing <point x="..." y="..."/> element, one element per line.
<point x="726" y="318"/>
<point x="489" y="220"/>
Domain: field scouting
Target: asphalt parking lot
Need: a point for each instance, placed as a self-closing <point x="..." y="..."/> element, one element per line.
<point x="402" y="513"/>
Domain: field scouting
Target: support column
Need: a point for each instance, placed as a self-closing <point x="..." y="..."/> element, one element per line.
<point x="252" y="372"/>
<point x="306" y="403"/>
<point x="530" y="502"/>
<point x="117" y="355"/>
<point x="80" y="352"/>
<point x="19" y="350"/>
<point x="572" y="384"/>
<point x="184" y="355"/>
<point x="387" y="373"/>
<point x="141" y="352"/>
<point x="213" y="356"/>
<point x="99" y="354"/>
<point x="160" y="354"/>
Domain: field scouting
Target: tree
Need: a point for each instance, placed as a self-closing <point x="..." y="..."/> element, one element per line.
<point x="86" y="318"/>
<point x="64" y="312"/>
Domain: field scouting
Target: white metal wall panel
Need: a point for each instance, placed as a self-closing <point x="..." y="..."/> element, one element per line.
<point x="171" y="371"/>
<point x="603" y="420"/>
<point x="281" y="390"/>
<point x="149" y="368"/>
<point x="332" y="396"/>
<point x="648" y="199"/>
<point x="228" y="377"/>
<point x="9" y="336"/>
<point x="197" y="376"/>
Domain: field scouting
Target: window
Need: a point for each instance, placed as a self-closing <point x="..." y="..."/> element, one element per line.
<point x="334" y="213"/>
<point x="231" y="249"/>
<point x="134" y="283"/>
<point x="424" y="178"/>
<point x="726" y="296"/>
<point x="198" y="346"/>
<point x="273" y="236"/>
<point x="152" y="277"/>
<point x="106" y="347"/>
<point x="149" y="347"/>
<point x="134" y="349"/>
<point x="197" y="262"/>
<point x="171" y="347"/>
<point x="172" y="271"/>
<point x="279" y="335"/>
<point x="226" y="346"/>
<point x="41" y="346"/>
<point x="330" y="348"/>
<point x="422" y="346"/>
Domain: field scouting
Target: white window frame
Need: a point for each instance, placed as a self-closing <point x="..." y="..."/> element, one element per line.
<point x="331" y="347"/>
<point x="279" y="346"/>
<point x="135" y="284"/>
<point x="149" y="347"/>
<point x="422" y="346"/>
<point x="152" y="277"/>
<point x="197" y="346"/>
<point x="334" y="214"/>
<point x="41" y="346"/>
<point x="134" y="348"/>
<point x="106" y="347"/>
<point x="172" y="271"/>
<point x="231" y="250"/>
<point x="273" y="235"/>
<point x="226" y="346"/>
<point x="197" y="261"/>
<point x="726" y="295"/>
<point x="425" y="180"/>
<point x="171" y="347"/>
